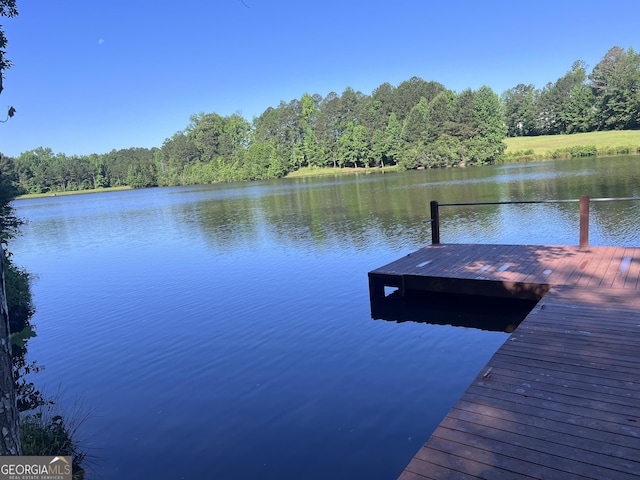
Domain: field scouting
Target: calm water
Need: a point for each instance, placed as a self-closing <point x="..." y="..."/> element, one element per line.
<point x="225" y="331"/>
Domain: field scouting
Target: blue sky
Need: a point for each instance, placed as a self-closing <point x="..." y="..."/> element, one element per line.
<point x="90" y="76"/>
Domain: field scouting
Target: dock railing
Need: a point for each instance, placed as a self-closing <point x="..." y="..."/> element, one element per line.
<point x="584" y="201"/>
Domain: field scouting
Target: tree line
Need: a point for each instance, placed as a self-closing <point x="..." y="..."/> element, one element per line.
<point x="418" y="124"/>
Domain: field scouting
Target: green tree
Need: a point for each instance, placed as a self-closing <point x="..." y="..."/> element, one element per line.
<point x="380" y="107"/>
<point x="379" y="148"/>
<point x="353" y="145"/>
<point x="440" y="110"/>
<point x="386" y="144"/>
<point x="555" y="98"/>
<point x="132" y="166"/>
<point x="393" y="137"/>
<point x="34" y="170"/>
<point x="415" y="135"/>
<point x="487" y="144"/>
<point x="117" y="168"/>
<point x="238" y="130"/>
<point x="615" y="82"/>
<point x="350" y="108"/>
<point x="207" y="132"/>
<point x="138" y="178"/>
<point x="328" y="129"/>
<point x="308" y="144"/>
<point x="463" y="123"/>
<point x="177" y="152"/>
<point x="409" y="93"/>
<point x="99" y="171"/>
<point x="280" y="126"/>
<point x="444" y="152"/>
<point x="518" y="108"/>
<point x="415" y="130"/>
<point x="579" y="113"/>
<point x="81" y="173"/>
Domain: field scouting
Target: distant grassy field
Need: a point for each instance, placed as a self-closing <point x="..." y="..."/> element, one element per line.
<point x="612" y="142"/>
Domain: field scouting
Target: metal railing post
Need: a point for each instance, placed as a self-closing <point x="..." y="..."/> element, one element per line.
<point x="584" y="221"/>
<point x="435" y="223"/>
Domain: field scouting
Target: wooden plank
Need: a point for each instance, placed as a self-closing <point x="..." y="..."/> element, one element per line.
<point x="480" y="260"/>
<point x="528" y="267"/>
<point x="582" y="261"/>
<point x="551" y="261"/>
<point x="563" y="393"/>
<point x="502" y="266"/>
<point x="573" y="384"/>
<point x="606" y="255"/>
<point x="591" y="266"/>
<point x="557" y="369"/>
<point x="538" y="371"/>
<point x="622" y="269"/>
<point x="565" y="267"/>
<point x="555" y="421"/>
<point x="613" y="268"/>
<point x="575" y="352"/>
<point x="474" y="462"/>
<point x="573" y="415"/>
<point x="631" y="280"/>
<point x="565" y="358"/>
<point x="554" y="398"/>
<point x="542" y="448"/>
<point x="475" y="266"/>
<point x="550" y="440"/>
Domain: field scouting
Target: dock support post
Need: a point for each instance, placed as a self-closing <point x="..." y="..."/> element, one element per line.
<point x="435" y="223"/>
<point x="584" y="221"/>
<point x="376" y="289"/>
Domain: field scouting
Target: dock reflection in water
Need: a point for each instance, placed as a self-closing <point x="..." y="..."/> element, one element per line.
<point x="484" y="313"/>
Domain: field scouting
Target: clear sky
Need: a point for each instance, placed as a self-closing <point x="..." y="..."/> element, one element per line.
<point x="90" y="76"/>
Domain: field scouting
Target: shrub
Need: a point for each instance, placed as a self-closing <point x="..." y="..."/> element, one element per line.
<point x="46" y="433"/>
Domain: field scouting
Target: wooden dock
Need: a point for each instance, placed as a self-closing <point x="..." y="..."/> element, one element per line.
<point x="561" y="398"/>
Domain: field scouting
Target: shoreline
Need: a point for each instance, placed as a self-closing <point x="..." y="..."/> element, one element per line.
<point x="27" y="196"/>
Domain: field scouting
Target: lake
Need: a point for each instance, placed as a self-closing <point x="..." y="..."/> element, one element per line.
<point x="225" y="331"/>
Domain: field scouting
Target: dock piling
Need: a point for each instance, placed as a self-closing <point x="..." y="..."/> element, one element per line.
<point x="584" y="221"/>
<point x="435" y="223"/>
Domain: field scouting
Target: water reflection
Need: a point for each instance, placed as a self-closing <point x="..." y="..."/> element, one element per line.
<point x="368" y="211"/>
<point x="363" y="211"/>
<point x="484" y="313"/>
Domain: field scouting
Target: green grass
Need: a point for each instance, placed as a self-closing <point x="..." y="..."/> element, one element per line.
<point x="73" y="192"/>
<point x="45" y="432"/>
<point x="317" y="171"/>
<point x="610" y="142"/>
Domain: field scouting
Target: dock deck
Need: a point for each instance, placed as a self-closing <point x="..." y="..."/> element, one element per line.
<point x="561" y="398"/>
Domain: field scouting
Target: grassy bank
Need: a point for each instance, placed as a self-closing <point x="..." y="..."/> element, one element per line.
<point x="72" y="192"/>
<point x="317" y="171"/>
<point x="578" y="144"/>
